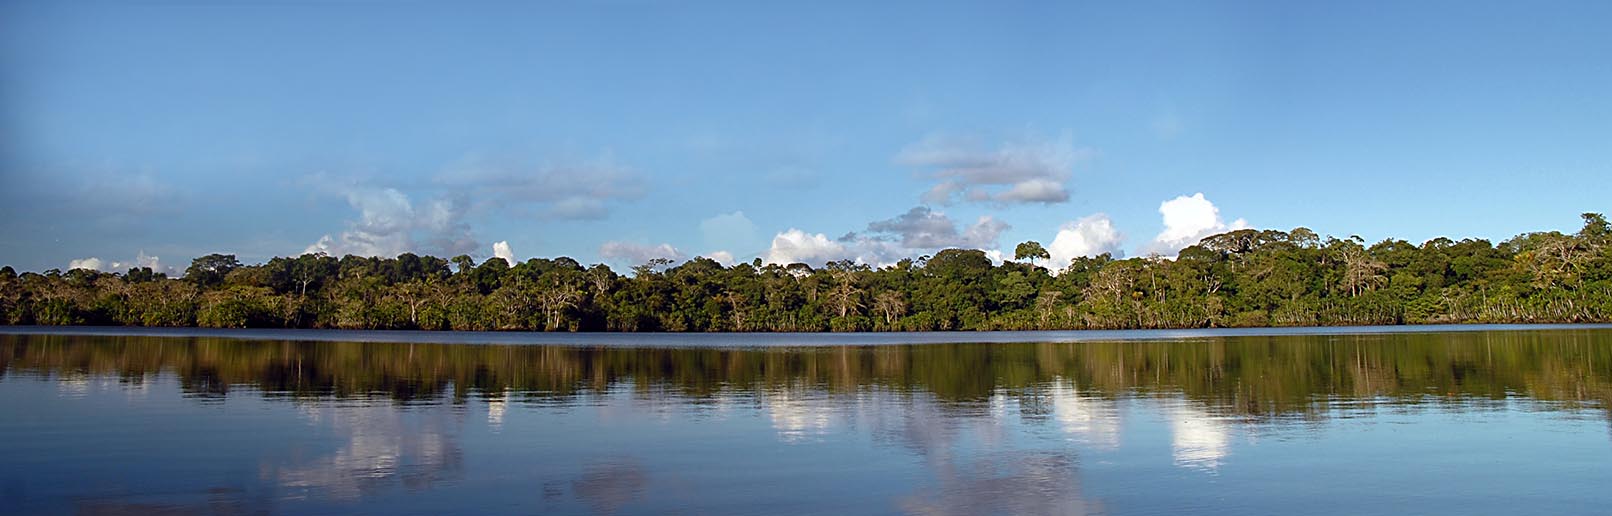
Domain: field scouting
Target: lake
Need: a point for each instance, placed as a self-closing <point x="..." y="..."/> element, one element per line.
<point x="1417" y="420"/>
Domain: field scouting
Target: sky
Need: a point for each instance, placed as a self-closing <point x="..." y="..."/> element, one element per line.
<point x="148" y="133"/>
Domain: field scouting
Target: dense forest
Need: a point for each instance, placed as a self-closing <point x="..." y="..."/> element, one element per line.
<point x="1240" y="278"/>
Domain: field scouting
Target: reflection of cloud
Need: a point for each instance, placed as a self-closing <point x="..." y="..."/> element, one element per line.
<point x="1005" y="483"/>
<point x="967" y="446"/>
<point x="798" y="417"/>
<point x="383" y="448"/>
<point x="914" y="420"/>
<point x="1093" y="420"/>
<point x="73" y="385"/>
<point x="1199" y="441"/>
<point x="609" y="485"/>
<point x="495" y="411"/>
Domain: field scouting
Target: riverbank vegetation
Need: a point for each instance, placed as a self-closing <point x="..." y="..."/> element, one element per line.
<point x="1240" y="278"/>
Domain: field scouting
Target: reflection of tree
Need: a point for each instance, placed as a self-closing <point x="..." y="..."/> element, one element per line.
<point x="951" y="406"/>
<point x="1248" y="377"/>
<point x="215" y="500"/>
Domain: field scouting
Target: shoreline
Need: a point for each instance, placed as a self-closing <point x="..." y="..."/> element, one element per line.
<point x="763" y="339"/>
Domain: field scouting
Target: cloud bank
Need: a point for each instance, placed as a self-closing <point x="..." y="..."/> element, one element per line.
<point x="1023" y="172"/>
<point x="917" y="232"/>
<point x="140" y="260"/>
<point x="390" y="224"/>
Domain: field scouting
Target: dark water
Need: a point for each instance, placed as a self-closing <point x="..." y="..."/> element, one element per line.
<point x="1461" y="422"/>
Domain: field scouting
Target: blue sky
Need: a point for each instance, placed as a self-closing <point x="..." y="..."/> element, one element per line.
<point x="623" y="130"/>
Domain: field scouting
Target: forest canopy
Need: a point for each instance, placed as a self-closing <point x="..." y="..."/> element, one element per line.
<point x="1240" y="278"/>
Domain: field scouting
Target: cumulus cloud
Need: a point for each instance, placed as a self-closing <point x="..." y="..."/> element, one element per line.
<point x="1023" y="172"/>
<point x="723" y="257"/>
<point x="389" y="224"/>
<point x="140" y="260"/>
<point x="796" y="246"/>
<point x="91" y="263"/>
<point x="632" y="253"/>
<point x="1089" y="236"/>
<point x="501" y="250"/>
<point x="580" y="189"/>
<point x="1188" y="219"/>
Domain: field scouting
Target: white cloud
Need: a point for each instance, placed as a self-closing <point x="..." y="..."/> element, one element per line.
<point x="730" y="231"/>
<point x="501" y="250"/>
<point x="1089" y="236"/>
<point x="796" y="246"/>
<point x="91" y="263"/>
<point x="723" y="257"/>
<point x="1035" y="190"/>
<point x="389" y="223"/>
<point x="1188" y="219"/>
<point x="1015" y="172"/>
<point x="631" y="253"/>
<point x="140" y="260"/>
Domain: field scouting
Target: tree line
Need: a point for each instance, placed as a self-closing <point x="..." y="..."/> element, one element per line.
<point x="1236" y="279"/>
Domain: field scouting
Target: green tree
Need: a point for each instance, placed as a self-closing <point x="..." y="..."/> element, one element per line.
<point x="1030" y="250"/>
<point x="210" y="270"/>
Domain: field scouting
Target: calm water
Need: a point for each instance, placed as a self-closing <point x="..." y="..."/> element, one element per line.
<point x="1344" y="422"/>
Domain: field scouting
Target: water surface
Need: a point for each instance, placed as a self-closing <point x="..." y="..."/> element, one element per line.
<point x="1364" y="421"/>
